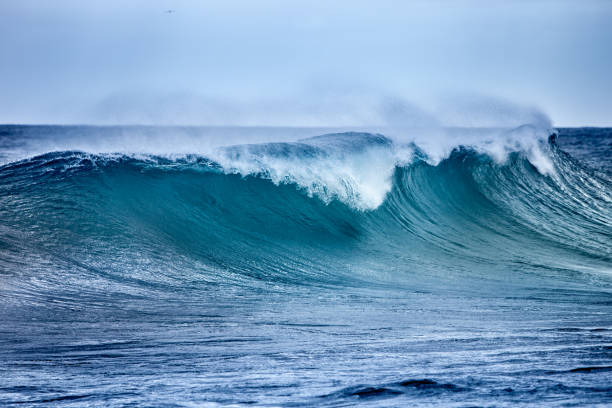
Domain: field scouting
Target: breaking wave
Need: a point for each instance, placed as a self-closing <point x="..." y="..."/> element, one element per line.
<point x="333" y="209"/>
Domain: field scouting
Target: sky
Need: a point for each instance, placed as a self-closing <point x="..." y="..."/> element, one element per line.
<point x="305" y="63"/>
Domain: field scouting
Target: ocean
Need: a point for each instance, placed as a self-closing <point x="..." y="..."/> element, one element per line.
<point x="183" y="267"/>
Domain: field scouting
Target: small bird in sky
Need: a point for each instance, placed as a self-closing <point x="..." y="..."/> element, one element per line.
<point x="170" y="11"/>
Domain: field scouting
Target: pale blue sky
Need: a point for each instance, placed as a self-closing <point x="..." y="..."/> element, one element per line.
<point x="301" y="62"/>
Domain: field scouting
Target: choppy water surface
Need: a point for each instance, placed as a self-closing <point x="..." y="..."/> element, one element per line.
<point x="336" y="270"/>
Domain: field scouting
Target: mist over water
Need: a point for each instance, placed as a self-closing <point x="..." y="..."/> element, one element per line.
<point x="474" y="120"/>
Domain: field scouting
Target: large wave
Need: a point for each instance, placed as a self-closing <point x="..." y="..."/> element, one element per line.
<point x="339" y="208"/>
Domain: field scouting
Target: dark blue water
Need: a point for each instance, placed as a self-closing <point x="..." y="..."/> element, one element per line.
<point x="155" y="267"/>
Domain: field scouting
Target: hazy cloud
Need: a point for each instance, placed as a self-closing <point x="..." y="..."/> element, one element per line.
<point x="304" y="63"/>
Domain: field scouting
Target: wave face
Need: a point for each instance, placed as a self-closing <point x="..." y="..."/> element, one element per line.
<point x="335" y="269"/>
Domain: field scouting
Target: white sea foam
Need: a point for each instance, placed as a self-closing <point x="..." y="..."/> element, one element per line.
<point x="355" y="168"/>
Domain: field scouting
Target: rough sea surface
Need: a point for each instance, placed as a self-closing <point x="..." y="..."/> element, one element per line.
<point x="336" y="270"/>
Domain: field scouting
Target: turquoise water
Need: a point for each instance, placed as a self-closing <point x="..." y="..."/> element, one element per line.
<point x="336" y="270"/>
